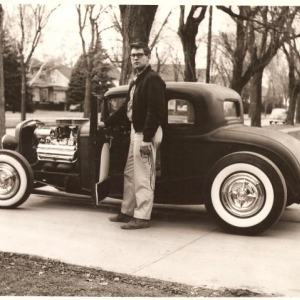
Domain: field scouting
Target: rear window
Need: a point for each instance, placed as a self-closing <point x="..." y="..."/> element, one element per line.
<point x="231" y="109"/>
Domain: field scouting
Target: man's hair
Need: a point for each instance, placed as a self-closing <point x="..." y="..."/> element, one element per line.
<point x="141" y="45"/>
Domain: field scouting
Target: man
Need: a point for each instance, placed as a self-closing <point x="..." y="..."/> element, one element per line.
<point x="144" y="108"/>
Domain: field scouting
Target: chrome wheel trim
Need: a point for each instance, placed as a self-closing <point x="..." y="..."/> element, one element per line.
<point x="242" y="195"/>
<point x="9" y="181"/>
<point x="217" y="201"/>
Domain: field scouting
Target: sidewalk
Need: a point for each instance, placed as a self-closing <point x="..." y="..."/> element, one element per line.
<point x="182" y="245"/>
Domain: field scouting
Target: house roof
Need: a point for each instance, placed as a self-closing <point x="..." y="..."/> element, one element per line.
<point x="168" y="71"/>
<point x="66" y="71"/>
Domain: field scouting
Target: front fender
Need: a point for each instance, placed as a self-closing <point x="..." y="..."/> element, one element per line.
<point x="9" y="142"/>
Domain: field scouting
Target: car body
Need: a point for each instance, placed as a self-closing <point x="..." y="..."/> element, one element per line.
<point x="278" y="115"/>
<point x="245" y="176"/>
<point x="75" y="107"/>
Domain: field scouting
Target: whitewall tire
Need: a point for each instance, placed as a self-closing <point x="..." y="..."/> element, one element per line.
<point x="246" y="193"/>
<point x="16" y="179"/>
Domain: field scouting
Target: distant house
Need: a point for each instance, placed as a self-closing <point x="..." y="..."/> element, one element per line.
<point x="170" y="72"/>
<point x="49" y="83"/>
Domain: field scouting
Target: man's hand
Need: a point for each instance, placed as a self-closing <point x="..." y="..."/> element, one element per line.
<point x="145" y="148"/>
<point x="101" y="124"/>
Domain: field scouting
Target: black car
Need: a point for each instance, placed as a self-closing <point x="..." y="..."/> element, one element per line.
<point x="245" y="176"/>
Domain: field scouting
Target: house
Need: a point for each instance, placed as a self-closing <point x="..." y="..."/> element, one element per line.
<point x="49" y="82"/>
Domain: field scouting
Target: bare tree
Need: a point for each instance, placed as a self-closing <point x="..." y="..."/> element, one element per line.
<point x="177" y="68"/>
<point x="264" y="44"/>
<point x="292" y="56"/>
<point x="32" y="19"/>
<point x="187" y="32"/>
<point x="161" y="59"/>
<point x="116" y="56"/>
<point x="237" y="49"/>
<point x="89" y="16"/>
<point x="261" y="31"/>
<point x="158" y="34"/>
<point x="2" y="99"/>
<point x="277" y="83"/>
<point x="137" y="22"/>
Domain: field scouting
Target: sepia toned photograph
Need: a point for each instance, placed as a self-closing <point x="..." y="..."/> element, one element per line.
<point x="149" y="149"/>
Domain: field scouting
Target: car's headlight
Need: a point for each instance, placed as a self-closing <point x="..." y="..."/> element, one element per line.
<point x="9" y="142"/>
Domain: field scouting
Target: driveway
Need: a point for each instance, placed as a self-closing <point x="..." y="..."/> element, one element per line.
<point x="183" y="244"/>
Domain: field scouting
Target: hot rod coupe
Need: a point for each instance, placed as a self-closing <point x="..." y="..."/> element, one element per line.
<point x="245" y="176"/>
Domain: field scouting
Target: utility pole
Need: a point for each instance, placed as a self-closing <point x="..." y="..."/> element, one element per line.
<point x="208" y="60"/>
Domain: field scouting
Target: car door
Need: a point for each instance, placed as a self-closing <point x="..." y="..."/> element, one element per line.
<point x="120" y="139"/>
<point x="99" y="156"/>
<point x="179" y="151"/>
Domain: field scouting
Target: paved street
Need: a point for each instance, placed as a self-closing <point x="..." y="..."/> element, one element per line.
<point x="12" y="119"/>
<point x="182" y="245"/>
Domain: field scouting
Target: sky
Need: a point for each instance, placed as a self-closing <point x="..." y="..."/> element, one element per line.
<point x="61" y="34"/>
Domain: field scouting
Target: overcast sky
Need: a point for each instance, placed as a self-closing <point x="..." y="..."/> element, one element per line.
<point x="61" y="35"/>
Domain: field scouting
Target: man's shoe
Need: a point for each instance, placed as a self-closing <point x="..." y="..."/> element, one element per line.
<point x="136" y="224"/>
<point x="120" y="218"/>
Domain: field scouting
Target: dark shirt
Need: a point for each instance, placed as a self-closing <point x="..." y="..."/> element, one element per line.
<point x="148" y="104"/>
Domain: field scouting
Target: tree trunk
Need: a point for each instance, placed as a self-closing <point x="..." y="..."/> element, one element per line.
<point x="137" y="22"/>
<point x="2" y="99"/>
<point x="239" y="53"/>
<point x="23" y="89"/>
<point x="298" y="109"/>
<point x="187" y="33"/>
<point x="256" y="103"/>
<point x="87" y="96"/>
<point x="208" y="61"/>
<point x="293" y="92"/>
<point x="293" y="89"/>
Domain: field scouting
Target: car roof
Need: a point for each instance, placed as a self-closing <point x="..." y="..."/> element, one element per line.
<point x="207" y="98"/>
<point x="206" y="90"/>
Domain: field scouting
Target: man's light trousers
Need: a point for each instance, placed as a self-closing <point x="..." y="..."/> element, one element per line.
<point x="139" y="177"/>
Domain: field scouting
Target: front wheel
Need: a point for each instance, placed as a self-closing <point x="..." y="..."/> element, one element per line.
<point x="16" y="179"/>
<point x="246" y="193"/>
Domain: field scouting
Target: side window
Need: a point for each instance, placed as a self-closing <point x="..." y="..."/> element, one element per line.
<point x="180" y="111"/>
<point x="115" y="103"/>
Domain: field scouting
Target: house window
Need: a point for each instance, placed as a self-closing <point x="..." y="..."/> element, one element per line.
<point x="53" y="79"/>
<point x="55" y="97"/>
<point x="42" y="75"/>
<point x="45" y="95"/>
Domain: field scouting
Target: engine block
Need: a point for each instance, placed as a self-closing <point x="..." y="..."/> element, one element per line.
<point x="57" y="144"/>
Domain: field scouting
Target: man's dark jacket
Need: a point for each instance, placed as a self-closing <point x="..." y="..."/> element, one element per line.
<point x="148" y="106"/>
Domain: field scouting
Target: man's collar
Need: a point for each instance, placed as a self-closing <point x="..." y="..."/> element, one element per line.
<point x="138" y="75"/>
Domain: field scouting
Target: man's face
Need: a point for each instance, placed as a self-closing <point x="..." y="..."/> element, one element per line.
<point x="139" y="59"/>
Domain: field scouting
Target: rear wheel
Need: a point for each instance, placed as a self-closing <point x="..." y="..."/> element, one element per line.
<point x="246" y="193"/>
<point x="16" y="179"/>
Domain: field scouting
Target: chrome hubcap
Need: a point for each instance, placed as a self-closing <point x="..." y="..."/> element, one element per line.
<point x="9" y="181"/>
<point x="242" y="195"/>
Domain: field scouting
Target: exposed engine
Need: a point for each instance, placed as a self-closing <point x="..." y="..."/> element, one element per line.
<point x="58" y="144"/>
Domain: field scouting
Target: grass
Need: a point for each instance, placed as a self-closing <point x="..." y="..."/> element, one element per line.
<point x="25" y="275"/>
